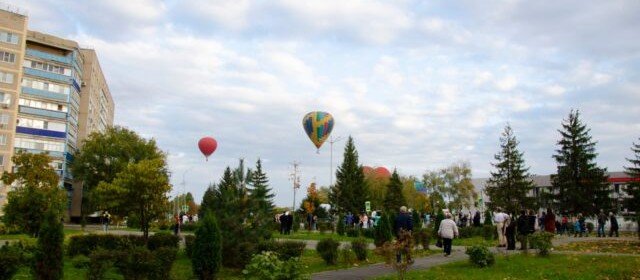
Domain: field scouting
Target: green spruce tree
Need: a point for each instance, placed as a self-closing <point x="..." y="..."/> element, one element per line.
<point x="350" y="191"/>
<point x="632" y="202"/>
<point x="48" y="259"/>
<point x="207" y="249"/>
<point x="580" y="185"/>
<point x="260" y="202"/>
<point x="511" y="182"/>
<point x="394" y="198"/>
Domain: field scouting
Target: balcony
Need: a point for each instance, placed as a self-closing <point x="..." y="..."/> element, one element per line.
<point x="45" y="94"/>
<point x="37" y="151"/>
<point x="40" y="132"/>
<point x="48" y="56"/>
<point x="43" y="112"/>
<point x="48" y="75"/>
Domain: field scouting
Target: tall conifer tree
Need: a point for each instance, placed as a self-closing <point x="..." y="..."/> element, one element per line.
<point x="260" y="196"/>
<point x="394" y="197"/>
<point x="510" y="184"/>
<point x="580" y="186"/>
<point x="632" y="202"/>
<point x="350" y="191"/>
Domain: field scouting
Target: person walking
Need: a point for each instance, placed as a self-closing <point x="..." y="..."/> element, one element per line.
<point x="499" y="219"/>
<point x="106" y="218"/>
<point x="476" y="219"/>
<point x="564" y="226"/>
<point x="614" y="225"/>
<point x="576" y="227"/>
<point x="510" y="233"/>
<point x="602" y="220"/>
<point x="403" y="222"/>
<point x="447" y="231"/>
<point x="583" y="226"/>
<point x="550" y="222"/>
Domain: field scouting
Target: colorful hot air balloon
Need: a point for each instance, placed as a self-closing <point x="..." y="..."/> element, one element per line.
<point x="367" y="170"/>
<point x="207" y="146"/>
<point x="318" y="126"/>
<point x="382" y="172"/>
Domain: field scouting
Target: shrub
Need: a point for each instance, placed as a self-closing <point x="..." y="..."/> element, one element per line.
<point x="382" y="232"/>
<point x="422" y="237"/>
<point x="162" y="239"/>
<point x="347" y="256"/>
<point x="353" y="232"/>
<point x="207" y="249"/>
<point x="368" y="233"/>
<point x="590" y="227"/>
<point x="324" y="227"/>
<point x="328" y="250"/>
<point x="11" y="258"/>
<point x="85" y="244"/>
<point x="188" y="245"/>
<point x="417" y="221"/>
<point x="267" y="265"/>
<point x="136" y="263"/>
<point x="487" y="218"/>
<point x="284" y="249"/>
<point x="488" y="232"/>
<point x="163" y="259"/>
<point x="341" y="227"/>
<point x="542" y="242"/>
<point x="359" y="247"/>
<point x="468" y="232"/>
<point x="80" y="261"/>
<point x="100" y="261"/>
<point x="480" y="256"/>
<point x="48" y="262"/>
<point x="190" y="227"/>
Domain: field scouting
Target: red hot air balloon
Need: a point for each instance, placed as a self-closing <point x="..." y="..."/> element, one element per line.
<point x="207" y="146"/>
<point x="367" y="170"/>
<point x="382" y="172"/>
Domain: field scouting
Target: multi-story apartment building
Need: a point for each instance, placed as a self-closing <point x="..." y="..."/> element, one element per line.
<point x="56" y="95"/>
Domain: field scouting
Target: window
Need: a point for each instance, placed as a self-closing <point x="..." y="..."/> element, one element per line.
<point x="48" y="86"/>
<point x="6" y="78"/>
<point x="8" y="37"/>
<point x="1" y="160"/>
<point x="45" y="67"/>
<point x="4" y="120"/>
<point x="3" y="139"/>
<point x="5" y="100"/>
<point x="7" y="57"/>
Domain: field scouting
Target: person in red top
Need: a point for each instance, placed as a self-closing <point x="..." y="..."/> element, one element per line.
<point x="565" y="223"/>
<point x="550" y="221"/>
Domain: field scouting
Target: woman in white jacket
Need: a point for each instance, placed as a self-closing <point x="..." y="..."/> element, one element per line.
<point x="448" y="230"/>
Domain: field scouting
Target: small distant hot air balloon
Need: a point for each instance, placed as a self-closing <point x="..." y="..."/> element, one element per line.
<point x="318" y="126"/>
<point x="382" y="172"/>
<point x="207" y="146"/>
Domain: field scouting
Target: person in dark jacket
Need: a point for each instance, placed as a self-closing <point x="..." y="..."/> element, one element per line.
<point x="613" y="225"/>
<point x="523" y="229"/>
<point x="476" y="219"/>
<point x="550" y="221"/>
<point x="404" y="222"/>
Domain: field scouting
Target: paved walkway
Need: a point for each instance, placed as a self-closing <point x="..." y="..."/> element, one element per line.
<point x="457" y="254"/>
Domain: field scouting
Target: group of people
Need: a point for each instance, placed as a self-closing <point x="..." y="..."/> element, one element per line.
<point x="286" y="222"/>
<point x="362" y="221"/>
<point x="181" y="219"/>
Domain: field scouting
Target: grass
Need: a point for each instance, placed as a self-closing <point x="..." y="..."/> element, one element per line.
<point x="476" y="240"/>
<point x="603" y="246"/>
<point x="314" y="235"/>
<point x="533" y="267"/>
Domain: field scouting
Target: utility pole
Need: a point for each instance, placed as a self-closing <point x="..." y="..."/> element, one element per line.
<point x="295" y="178"/>
<point x="331" y="141"/>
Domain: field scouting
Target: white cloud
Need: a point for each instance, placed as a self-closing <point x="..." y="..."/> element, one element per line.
<point x="387" y="69"/>
<point x="507" y="83"/>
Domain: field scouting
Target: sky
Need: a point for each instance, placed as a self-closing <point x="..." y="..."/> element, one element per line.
<point x="417" y="84"/>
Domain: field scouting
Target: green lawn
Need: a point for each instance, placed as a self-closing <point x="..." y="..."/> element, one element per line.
<point x="313" y="235"/>
<point x="533" y="267"/>
<point x="476" y="240"/>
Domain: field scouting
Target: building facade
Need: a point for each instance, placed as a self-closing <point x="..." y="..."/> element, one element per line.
<point x="56" y="95"/>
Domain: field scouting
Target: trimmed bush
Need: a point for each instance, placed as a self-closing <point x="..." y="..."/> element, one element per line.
<point x="328" y="250"/>
<point x="48" y="263"/>
<point x="382" y="233"/>
<point x="488" y="232"/>
<point x="100" y="261"/>
<point x="188" y="245"/>
<point x="136" y="263"/>
<point x="207" y="249"/>
<point x="80" y="261"/>
<point x="480" y="256"/>
<point x="359" y="247"/>
<point x="468" y="232"/>
<point x="422" y="237"/>
<point x="341" y="227"/>
<point x="162" y="239"/>
<point x="284" y="249"/>
<point x="268" y="265"/>
<point x="11" y="259"/>
<point x="542" y="242"/>
<point x="353" y="232"/>
<point x="347" y="256"/>
<point x="85" y="244"/>
<point x="163" y="259"/>
<point x="324" y="227"/>
<point x="487" y="218"/>
<point x="368" y="233"/>
<point x="190" y="227"/>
